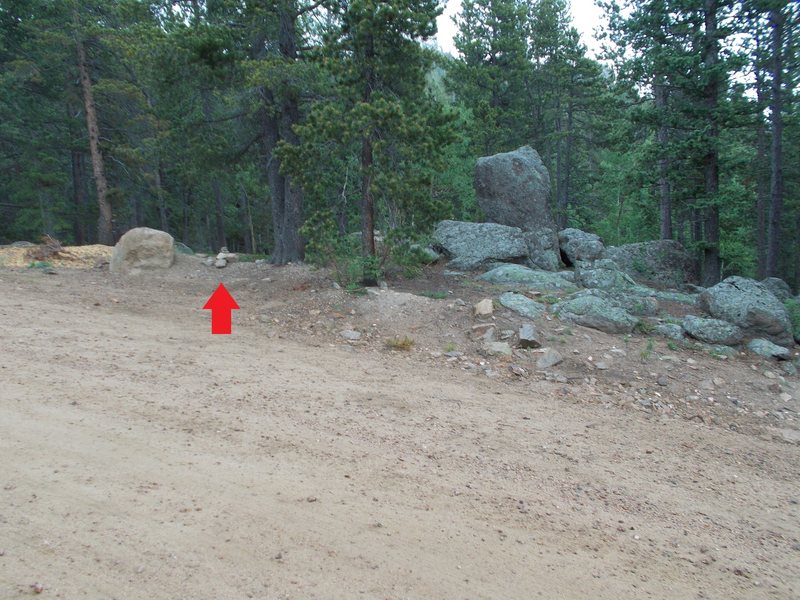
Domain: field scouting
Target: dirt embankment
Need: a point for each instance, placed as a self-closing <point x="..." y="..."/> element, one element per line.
<point x="144" y="458"/>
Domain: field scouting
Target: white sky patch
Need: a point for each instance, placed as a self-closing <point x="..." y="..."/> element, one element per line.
<point x="585" y="15"/>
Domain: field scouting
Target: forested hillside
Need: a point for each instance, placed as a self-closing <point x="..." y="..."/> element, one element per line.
<point x="283" y="126"/>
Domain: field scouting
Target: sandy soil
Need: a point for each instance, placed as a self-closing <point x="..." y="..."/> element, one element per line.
<point x="144" y="458"/>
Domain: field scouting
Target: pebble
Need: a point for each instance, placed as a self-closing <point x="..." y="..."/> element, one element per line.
<point x="517" y="370"/>
<point x="350" y="334"/>
<point x="770" y="375"/>
<point x="662" y="380"/>
<point x="484" y="308"/>
<point x="785" y="397"/>
<point x="550" y="358"/>
<point x="602" y="365"/>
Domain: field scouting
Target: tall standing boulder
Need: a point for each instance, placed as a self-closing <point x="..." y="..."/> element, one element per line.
<point x="750" y="305"/>
<point x="513" y="188"/>
<point x="142" y="248"/>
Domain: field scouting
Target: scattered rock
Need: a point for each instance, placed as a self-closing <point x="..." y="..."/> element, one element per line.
<point x="142" y="248"/>
<point x="182" y="248"/>
<point x="549" y="359"/>
<point x="484" y="308"/>
<point x="517" y="370"/>
<point x="597" y="313"/>
<point x="712" y="331"/>
<point x="220" y="263"/>
<point x="513" y="188"/>
<point x="523" y="305"/>
<point x="751" y="306"/>
<point x="528" y="336"/>
<point x="483" y="330"/>
<point x="670" y="330"/>
<point x="350" y="335"/>
<point x="768" y="349"/>
<point x="497" y="349"/>
<point x="662" y="380"/>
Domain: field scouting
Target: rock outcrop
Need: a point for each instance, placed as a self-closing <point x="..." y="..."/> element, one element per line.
<point x="577" y="245"/>
<point x="142" y="248"/>
<point x="663" y="262"/>
<point x="472" y="244"/>
<point x="522" y="277"/>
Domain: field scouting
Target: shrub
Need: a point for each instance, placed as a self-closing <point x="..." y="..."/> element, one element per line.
<point x="404" y="343"/>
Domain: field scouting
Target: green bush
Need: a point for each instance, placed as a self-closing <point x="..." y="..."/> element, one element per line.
<point x="793" y="308"/>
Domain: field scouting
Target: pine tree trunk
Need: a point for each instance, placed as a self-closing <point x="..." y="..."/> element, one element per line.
<point x="664" y="191"/>
<point x="78" y="197"/>
<point x="162" y="204"/>
<point x="777" y="20"/>
<point x="367" y="200"/>
<point x="105" y="234"/>
<point x="761" y="168"/>
<point x="277" y="185"/>
<point x="711" y="267"/>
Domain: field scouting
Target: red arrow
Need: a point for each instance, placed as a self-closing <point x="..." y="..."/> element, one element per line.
<point x="221" y="303"/>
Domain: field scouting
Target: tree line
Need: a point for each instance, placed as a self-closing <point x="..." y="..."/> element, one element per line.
<point x="297" y="128"/>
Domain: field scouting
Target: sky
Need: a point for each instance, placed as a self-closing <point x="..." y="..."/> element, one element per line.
<point x="585" y="16"/>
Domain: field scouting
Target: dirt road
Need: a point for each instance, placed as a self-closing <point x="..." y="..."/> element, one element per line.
<point x="144" y="458"/>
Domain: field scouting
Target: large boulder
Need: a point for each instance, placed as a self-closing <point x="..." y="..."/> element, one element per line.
<point x="142" y="248"/>
<point x="543" y="251"/>
<point x="712" y="331"/>
<point x="778" y="287"/>
<point x="518" y="276"/>
<point x="750" y="305"/>
<point x="639" y="306"/>
<point x="767" y="349"/>
<point x="602" y="274"/>
<point x="596" y="312"/>
<point x="523" y="305"/>
<point x="472" y="244"/>
<point x="663" y="262"/>
<point x="513" y="188"/>
<point x="579" y="245"/>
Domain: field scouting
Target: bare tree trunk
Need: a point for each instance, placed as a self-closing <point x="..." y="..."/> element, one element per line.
<point x="162" y="204"/>
<point x="105" y="234"/>
<point x="664" y="191"/>
<point x="278" y="121"/>
<point x="78" y="197"/>
<point x="711" y="267"/>
<point x="777" y="20"/>
<point x="762" y="171"/>
<point x="367" y="159"/>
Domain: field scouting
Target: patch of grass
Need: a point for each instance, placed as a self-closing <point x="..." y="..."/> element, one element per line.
<point x="644" y="327"/>
<point x="435" y="295"/>
<point x="248" y="258"/>
<point x="450" y="347"/>
<point x="672" y="345"/>
<point x="648" y="350"/>
<point x="793" y="308"/>
<point x="40" y="264"/>
<point x="404" y="343"/>
<point x="355" y="289"/>
<point x="548" y="299"/>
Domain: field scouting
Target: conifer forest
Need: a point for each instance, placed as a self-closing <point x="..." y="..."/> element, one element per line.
<point x="298" y="128"/>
